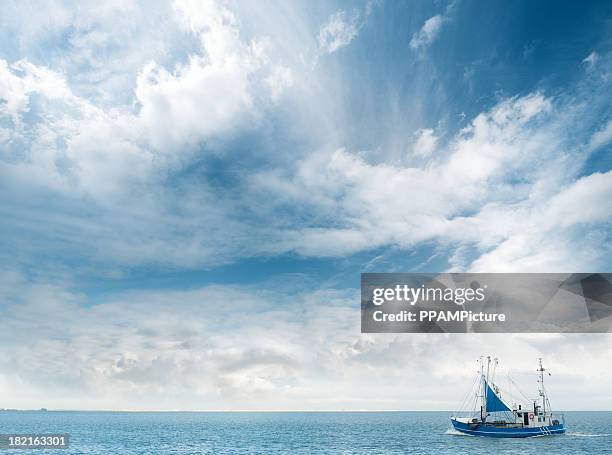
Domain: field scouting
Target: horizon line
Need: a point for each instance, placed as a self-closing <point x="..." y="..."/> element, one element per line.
<point x="259" y="410"/>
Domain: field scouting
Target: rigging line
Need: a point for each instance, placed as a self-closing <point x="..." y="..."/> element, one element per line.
<point x="509" y="396"/>
<point x="472" y="406"/>
<point x="466" y="397"/>
<point x="495" y="361"/>
<point x="518" y="388"/>
<point x="471" y="394"/>
<point x="474" y="389"/>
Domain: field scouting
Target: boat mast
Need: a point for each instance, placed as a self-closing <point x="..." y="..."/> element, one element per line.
<point x="485" y="387"/>
<point x="482" y="387"/>
<point x="541" y="370"/>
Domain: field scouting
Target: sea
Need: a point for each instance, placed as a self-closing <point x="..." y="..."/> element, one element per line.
<point x="292" y="433"/>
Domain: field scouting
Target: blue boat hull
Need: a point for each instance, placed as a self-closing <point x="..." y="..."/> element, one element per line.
<point x="500" y="432"/>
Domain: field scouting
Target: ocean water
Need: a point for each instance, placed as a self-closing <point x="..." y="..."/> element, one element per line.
<point x="293" y="433"/>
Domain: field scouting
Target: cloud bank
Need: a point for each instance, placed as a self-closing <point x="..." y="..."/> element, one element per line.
<point x="236" y="347"/>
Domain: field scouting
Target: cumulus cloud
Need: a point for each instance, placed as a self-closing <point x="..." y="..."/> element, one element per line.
<point x="507" y="163"/>
<point x="15" y="90"/>
<point x="428" y="32"/>
<point x="209" y="95"/>
<point x="215" y="92"/>
<point x="470" y="197"/>
<point x="131" y="165"/>
<point x="119" y="158"/>
<point x="425" y="143"/>
<point x="339" y="30"/>
<point x="109" y="155"/>
<point x="98" y="47"/>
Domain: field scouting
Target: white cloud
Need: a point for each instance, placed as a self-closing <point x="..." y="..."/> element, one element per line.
<point x="591" y="60"/>
<point x="69" y="138"/>
<point x="601" y="137"/>
<point x="542" y="240"/>
<point x="338" y="32"/>
<point x="341" y="28"/>
<point x="587" y="200"/>
<point x="212" y="93"/>
<point x="113" y="163"/>
<point x="431" y="28"/>
<point x="109" y="185"/>
<point x="505" y="166"/>
<point x="500" y="186"/>
<point x="279" y="80"/>
<point x="425" y="143"/>
<point x="198" y="101"/>
<point x="233" y="347"/>
<point x="75" y="141"/>
<point x="98" y="46"/>
<point x="15" y="90"/>
<point x="117" y="157"/>
<point x="428" y="33"/>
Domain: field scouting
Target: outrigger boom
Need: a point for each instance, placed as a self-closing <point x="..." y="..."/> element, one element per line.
<point x="491" y="416"/>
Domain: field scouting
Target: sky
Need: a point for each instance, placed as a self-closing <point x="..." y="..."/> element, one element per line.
<point x="190" y="190"/>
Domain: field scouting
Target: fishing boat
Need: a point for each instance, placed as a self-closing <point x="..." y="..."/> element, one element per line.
<point x="487" y="413"/>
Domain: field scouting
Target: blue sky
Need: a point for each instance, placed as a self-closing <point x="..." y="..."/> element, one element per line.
<point x="168" y="166"/>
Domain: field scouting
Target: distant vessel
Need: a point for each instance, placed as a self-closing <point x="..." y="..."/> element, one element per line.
<point x="490" y="416"/>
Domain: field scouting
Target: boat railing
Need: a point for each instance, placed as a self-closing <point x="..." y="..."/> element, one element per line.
<point x="557" y="417"/>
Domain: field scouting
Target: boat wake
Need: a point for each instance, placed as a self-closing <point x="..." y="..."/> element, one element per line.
<point x="589" y="435"/>
<point x="454" y="432"/>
